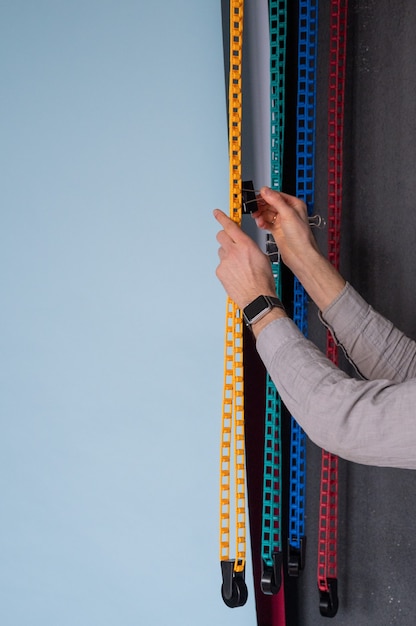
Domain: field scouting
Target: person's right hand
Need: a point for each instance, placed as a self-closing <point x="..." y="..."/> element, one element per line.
<point x="286" y="218"/>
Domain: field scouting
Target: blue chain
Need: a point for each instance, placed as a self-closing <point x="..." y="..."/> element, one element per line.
<point x="305" y="189"/>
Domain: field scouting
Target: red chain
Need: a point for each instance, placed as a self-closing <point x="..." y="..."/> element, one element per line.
<point x="328" y="518"/>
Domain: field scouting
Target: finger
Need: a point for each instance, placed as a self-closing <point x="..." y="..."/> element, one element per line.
<point x="269" y="215"/>
<point x="231" y="228"/>
<point x="298" y="205"/>
<point x="262" y="223"/>
<point x="283" y="202"/>
<point x="266" y="220"/>
<point x="264" y="213"/>
<point x="276" y="200"/>
<point x="224" y="239"/>
<point x="221" y="253"/>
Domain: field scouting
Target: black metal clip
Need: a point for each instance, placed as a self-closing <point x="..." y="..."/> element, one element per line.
<point x="328" y="600"/>
<point x="296" y="557"/>
<point x="272" y="250"/>
<point x="248" y="197"/>
<point x="234" y="589"/>
<point x="271" y="578"/>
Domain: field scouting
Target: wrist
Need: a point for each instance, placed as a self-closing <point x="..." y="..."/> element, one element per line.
<point x="260" y="309"/>
<point x="303" y="265"/>
<point x="271" y="316"/>
<point x="268" y="292"/>
<point x="320" y="278"/>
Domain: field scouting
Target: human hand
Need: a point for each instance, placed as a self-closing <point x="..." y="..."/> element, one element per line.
<point x="244" y="270"/>
<point x="286" y="218"/>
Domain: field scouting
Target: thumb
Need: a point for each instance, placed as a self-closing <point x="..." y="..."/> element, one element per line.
<point x="284" y="203"/>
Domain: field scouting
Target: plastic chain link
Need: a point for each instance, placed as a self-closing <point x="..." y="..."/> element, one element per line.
<point x="234" y="590"/>
<point x="305" y="189"/>
<point x="271" y="549"/>
<point x="328" y="519"/>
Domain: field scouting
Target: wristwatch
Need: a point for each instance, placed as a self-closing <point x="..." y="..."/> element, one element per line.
<point x="257" y="309"/>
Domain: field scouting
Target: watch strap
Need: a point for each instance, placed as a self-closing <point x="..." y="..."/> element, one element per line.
<point x="259" y="307"/>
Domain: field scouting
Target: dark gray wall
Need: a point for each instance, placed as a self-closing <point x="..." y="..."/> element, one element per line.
<point x="377" y="546"/>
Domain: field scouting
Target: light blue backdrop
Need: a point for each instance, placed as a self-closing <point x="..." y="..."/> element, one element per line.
<point x="113" y="155"/>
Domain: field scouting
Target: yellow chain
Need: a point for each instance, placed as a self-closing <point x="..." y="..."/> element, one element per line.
<point x="233" y="397"/>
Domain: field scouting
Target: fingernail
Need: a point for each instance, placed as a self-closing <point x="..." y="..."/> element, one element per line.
<point x="265" y="191"/>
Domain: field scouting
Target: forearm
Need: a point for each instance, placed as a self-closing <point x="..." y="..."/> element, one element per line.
<point x="367" y="422"/>
<point x="319" y="278"/>
<point x="286" y="218"/>
<point x="376" y="348"/>
<point x="371" y="342"/>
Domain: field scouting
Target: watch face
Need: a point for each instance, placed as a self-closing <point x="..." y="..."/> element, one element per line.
<point x="255" y="308"/>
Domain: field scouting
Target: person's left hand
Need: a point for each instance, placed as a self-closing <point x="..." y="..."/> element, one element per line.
<point x="244" y="270"/>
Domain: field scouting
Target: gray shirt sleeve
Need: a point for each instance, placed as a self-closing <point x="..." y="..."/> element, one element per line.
<point x="371" y="342"/>
<point x="370" y="422"/>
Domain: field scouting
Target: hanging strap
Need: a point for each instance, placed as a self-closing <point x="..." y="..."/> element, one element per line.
<point x="271" y="550"/>
<point x="234" y="589"/>
<point x="328" y="518"/>
<point x="305" y="189"/>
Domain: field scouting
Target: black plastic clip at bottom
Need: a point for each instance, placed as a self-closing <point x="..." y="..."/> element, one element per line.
<point x="234" y="589"/>
<point x="296" y="557"/>
<point x="271" y="577"/>
<point x="328" y="600"/>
